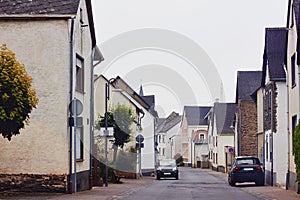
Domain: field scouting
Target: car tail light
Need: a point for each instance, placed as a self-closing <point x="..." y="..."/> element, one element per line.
<point x="236" y="168"/>
<point x="259" y="168"/>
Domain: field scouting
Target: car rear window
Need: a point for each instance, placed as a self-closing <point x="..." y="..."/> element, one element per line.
<point x="167" y="162"/>
<point x="247" y="161"/>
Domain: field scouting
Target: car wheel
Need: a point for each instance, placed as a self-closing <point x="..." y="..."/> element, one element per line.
<point x="230" y="182"/>
<point x="176" y="176"/>
<point x="158" y="177"/>
<point x="260" y="183"/>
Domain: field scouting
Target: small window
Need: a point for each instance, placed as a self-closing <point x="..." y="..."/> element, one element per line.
<point x="79" y="74"/>
<point x="79" y="144"/>
<point x="294" y="124"/>
<point x="293" y="66"/>
<point x="201" y="137"/>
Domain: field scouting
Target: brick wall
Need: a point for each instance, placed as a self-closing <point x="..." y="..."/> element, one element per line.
<point x="248" y="128"/>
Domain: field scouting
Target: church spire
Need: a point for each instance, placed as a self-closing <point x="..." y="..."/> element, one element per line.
<point x="141" y="93"/>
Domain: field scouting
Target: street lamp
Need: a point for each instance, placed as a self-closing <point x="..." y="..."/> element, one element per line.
<point x="106" y="132"/>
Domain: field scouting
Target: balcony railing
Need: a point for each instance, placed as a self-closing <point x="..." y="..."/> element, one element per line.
<point x="201" y="141"/>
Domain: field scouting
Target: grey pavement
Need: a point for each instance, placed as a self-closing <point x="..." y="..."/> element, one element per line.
<point x="129" y="186"/>
<point x="263" y="192"/>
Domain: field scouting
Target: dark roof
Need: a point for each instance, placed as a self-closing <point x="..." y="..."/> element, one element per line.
<point x="38" y="7"/>
<point x="46" y="8"/>
<point x="195" y="115"/>
<point x="247" y="83"/>
<point x="172" y="120"/>
<point x="274" y="54"/>
<point x="149" y="99"/>
<point x="224" y="116"/>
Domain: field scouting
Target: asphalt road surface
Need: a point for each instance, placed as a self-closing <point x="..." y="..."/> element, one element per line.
<point x="192" y="184"/>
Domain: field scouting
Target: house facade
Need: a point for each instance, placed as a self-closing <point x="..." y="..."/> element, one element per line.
<point x="168" y="136"/>
<point x="193" y="121"/>
<point x="274" y="109"/>
<point x="246" y="116"/>
<point x="56" y="42"/>
<point x="147" y="123"/>
<point x="221" y="135"/>
<point x="292" y="67"/>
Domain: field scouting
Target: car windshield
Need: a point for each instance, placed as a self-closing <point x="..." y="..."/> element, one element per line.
<point x="167" y="163"/>
<point x="247" y="161"/>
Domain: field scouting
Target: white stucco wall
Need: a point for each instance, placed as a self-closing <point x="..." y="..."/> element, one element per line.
<point x="293" y="91"/>
<point x="281" y="136"/>
<point x="42" y="147"/>
<point x="43" y="47"/>
<point x="147" y="121"/>
<point x="223" y="141"/>
<point x="173" y="141"/>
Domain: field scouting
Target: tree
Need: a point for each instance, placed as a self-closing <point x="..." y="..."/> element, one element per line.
<point x="17" y="96"/>
<point x="296" y="151"/>
<point x="121" y="119"/>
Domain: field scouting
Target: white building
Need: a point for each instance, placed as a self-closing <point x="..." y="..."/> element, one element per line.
<point x="55" y="40"/>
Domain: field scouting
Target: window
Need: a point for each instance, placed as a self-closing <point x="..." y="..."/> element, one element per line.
<point x="163" y="138"/>
<point x="293" y="66"/>
<point x="267" y="148"/>
<point x="201" y="137"/>
<point x="79" y="74"/>
<point x="79" y="144"/>
<point x="294" y="124"/>
<point x="163" y="151"/>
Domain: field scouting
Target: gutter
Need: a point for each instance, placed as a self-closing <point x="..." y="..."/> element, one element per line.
<point x="288" y="128"/>
<point x="71" y="45"/>
<point x="36" y="16"/>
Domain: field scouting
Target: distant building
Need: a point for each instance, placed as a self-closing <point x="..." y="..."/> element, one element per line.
<point x="221" y="135"/>
<point x="246" y="117"/>
<point x="193" y="121"/>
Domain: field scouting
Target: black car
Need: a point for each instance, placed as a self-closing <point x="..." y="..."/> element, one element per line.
<point x="246" y="169"/>
<point x="167" y="168"/>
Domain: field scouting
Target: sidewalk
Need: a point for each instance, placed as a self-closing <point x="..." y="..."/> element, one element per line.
<point x="112" y="192"/>
<point x="264" y="192"/>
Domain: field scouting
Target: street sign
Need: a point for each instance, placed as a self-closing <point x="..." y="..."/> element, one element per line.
<point x="109" y="133"/>
<point x="139" y="145"/>
<point x="139" y="138"/>
<point x="79" y="107"/>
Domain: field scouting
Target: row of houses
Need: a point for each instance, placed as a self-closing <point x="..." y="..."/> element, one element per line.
<point x="261" y="121"/>
<point x="56" y="42"/>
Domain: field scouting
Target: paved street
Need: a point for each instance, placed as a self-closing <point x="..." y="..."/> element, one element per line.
<point x="192" y="184"/>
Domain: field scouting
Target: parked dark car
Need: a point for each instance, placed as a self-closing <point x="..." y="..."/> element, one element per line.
<point x="167" y="168"/>
<point x="246" y="169"/>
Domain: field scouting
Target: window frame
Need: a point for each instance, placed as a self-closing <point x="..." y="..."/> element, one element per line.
<point x="293" y="70"/>
<point x="79" y="70"/>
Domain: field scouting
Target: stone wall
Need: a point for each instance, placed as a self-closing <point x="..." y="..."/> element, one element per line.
<point x="32" y="183"/>
<point x="248" y="128"/>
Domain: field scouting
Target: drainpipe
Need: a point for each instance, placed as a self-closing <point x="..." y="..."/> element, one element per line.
<point x="264" y="129"/>
<point x="288" y="128"/>
<point x="92" y="119"/>
<point x="71" y="46"/>
<point x="271" y="137"/>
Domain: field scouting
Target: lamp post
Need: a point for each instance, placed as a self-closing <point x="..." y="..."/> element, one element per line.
<point x="106" y="132"/>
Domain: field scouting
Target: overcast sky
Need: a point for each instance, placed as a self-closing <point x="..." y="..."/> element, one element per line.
<point x="231" y="32"/>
